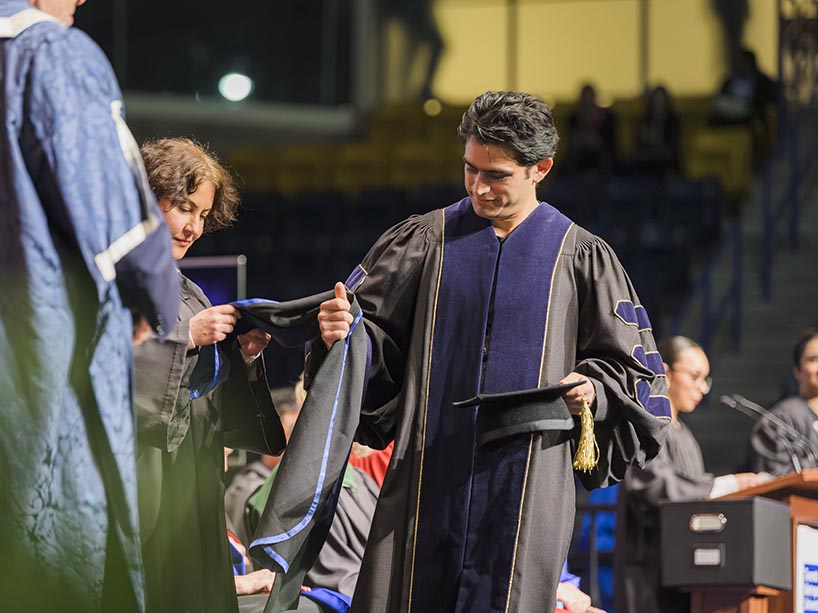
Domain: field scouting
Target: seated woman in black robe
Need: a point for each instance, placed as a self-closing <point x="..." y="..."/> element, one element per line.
<point x="676" y="474"/>
<point x="772" y="445"/>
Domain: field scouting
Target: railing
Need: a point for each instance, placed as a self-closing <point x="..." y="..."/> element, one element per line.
<point x="772" y="211"/>
<point x="714" y="309"/>
<point x="798" y="25"/>
<point x="797" y="55"/>
<point x="590" y="559"/>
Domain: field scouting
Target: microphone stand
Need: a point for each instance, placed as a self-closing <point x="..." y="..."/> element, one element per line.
<point x="753" y="414"/>
<point x="795" y="436"/>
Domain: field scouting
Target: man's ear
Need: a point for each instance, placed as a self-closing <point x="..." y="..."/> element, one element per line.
<point x="542" y="168"/>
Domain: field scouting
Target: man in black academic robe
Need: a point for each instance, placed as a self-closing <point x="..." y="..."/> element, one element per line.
<point x="495" y="293"/>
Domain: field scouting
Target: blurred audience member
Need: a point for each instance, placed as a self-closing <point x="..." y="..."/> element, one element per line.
<point x="745" y="93"/>
<point x="374" y="462"/>
<point x="249" y="479"/>
<point x="247" y="581"/>
<point x="423" y="43"/>
<point x="772" y="445"/>
<point x="570" y="598"/>
<point x="657" y="135"/>
<point x="339" y="562"/>
<point x="676" y="474"/>
<point x="591" y="138"/>
<point x="745" y="99"/>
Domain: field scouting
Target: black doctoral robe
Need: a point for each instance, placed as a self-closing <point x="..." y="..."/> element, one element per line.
<point x="180" y="464"/>
<point x="676" y="474"/>
<point x="772" y="447"/>
<point x="461" y="527"/>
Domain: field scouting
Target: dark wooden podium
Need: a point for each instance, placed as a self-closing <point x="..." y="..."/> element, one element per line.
<point x="800" y="491"/>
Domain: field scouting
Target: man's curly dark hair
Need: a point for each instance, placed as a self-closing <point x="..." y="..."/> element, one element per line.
<point x="521" y="122"/>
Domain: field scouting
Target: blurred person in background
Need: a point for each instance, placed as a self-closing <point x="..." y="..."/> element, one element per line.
<point x="570" y="598"/>
<point x="591" y="138"/>
<point x="337" y="565"/>
<point x="657" y="135"/>
<point x="251" y="477"/>
<point x="746" y="98"/>
<point x="772" y="447"/>
<point x="676" y="474"/>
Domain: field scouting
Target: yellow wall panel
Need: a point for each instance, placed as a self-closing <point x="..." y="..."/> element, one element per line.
<point x="685" y="47"/>
<point x="474" y="60"/>
<point x="563" y="45"/>
<point x="761" y="34"/>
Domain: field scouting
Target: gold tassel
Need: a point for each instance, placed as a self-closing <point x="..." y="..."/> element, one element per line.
<point x="587" y="456"/>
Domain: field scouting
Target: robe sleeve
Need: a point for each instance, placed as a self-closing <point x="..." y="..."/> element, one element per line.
<point x="616" y="350"/>
<point x="249" y="419"/>
<point x="158" y="371"/>
<point x="659" y="480"/>
<point x="386" y="284"/>
<point x="81" y="154"/>
<point x="163" y="370"/>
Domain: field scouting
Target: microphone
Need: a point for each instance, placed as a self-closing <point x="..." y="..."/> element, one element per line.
<point x="790" y="437"/>
<point x="799" y="439"/>
<point x="753" y="414"/>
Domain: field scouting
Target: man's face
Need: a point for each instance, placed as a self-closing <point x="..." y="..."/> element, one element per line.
<point x="63" y="10"/>
<point x="501" y="190"/>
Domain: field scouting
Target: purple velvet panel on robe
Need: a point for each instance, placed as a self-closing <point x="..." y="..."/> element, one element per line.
<point x="470" y="497"/>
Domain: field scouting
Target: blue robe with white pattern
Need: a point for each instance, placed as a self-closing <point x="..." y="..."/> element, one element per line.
<point x="82" y="243"/>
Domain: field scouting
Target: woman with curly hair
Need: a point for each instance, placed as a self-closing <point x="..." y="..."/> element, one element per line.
<point x="181" y="436"/>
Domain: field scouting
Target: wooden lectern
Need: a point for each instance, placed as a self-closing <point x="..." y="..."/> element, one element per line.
<point x="800" y="492"/>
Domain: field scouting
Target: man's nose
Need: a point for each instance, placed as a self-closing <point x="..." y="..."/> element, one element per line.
<point x="480" y="186"/>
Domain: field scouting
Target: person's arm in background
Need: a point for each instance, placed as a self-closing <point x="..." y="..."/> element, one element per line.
<point x="574" y="600"/>
<point x="569" y="597"/>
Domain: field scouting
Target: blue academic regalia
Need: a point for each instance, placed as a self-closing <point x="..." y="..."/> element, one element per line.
<point x="81" y="244"/>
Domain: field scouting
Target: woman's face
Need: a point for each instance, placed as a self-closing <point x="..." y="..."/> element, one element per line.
<point x="807" y="372"/>
<point x="687" y="380"/>
<point x="186" y="220"/>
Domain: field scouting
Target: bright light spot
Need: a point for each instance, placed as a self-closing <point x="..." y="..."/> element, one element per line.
<point x="432" y="107"/>
<point x="235" y="87"/>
